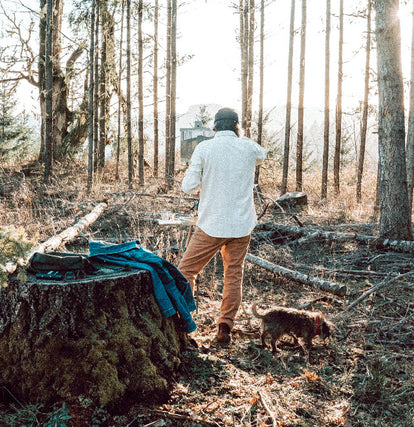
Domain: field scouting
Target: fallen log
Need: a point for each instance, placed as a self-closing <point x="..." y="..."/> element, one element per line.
<point x="65" y="236"/>
<point x="324" y="285"/>
<point x="403" y="246"/>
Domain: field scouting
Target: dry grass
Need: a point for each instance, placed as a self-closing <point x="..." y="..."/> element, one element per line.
<point x="363" y="377"/>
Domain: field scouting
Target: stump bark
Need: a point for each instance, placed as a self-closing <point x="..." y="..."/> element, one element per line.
<point x="102" y="337"/>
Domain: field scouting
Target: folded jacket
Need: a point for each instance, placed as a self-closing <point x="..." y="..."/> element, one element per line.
<point x="172" y="290"/>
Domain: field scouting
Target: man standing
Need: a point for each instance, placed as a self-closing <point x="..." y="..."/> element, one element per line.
<point x="223" y="169"/>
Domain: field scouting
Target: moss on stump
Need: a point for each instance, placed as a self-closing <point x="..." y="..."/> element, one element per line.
<point x="104" y="338"/>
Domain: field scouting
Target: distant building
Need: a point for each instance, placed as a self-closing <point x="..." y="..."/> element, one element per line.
<point x="191" y="137"/>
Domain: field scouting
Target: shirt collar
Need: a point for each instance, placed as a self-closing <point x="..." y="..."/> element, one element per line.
<point x="225" y="133"/>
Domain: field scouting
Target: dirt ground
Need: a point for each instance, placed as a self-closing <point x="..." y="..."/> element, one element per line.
<point x="363" y="376"/>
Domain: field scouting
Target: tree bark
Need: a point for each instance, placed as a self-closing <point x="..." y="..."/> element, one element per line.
<point x="299" y="140"/>
<point x="324" y="285"/>
<point x="168" y="92"/>
<point x="338" y="111"/>
<point x="394" y="223"/>
<point x="103" y="337"/>
<point x="155" y="90"/>
<point x="173" y="97"/>
<point x="410" y="131"/>
<point x="91" y="96"/>
<point x="250" y="69"/>
<point x="325" y="159"/>
<point x="364" y="121"/>
<point x="261" y="86"/>
<point x="140" y="97"/>
<point x="129" y="127"/>
<point x="286" y="150"/>
<point x="118" y="139"/>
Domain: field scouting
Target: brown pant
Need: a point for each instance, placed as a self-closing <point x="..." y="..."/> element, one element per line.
<point x="201" y="249"/>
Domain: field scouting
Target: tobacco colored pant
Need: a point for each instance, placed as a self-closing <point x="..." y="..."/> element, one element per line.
<point x="201" y="249"/>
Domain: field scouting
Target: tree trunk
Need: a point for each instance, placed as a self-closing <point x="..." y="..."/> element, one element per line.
<point x="155" y="89"/>
<point x="173" y="97"/>
<point x="48" y="156"/>
<point x="299" y="141"/>
<point x="244" y="46"/>
<point x="286" y="150"/>
<point x="249" y="111"/>
<point x="140" y="97"/>
<point x="103" y="87"/>
<point x="102" y="336"/>
<point x="91" y="95"/>
<point x="364" y="121"/>
<point x="118" y="139"/>
<point x="395" y="218"/>
<point x="168" y="92"/>
<point x="410" y="131"/>
<point x="325" y="159"/>
<point x="338" y="111"/>
<point x="129" y="129"/>
<point x="261" y="88"/>
<point x="96" y="94"/>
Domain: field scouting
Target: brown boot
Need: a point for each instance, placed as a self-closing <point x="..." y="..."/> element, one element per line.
<point x="223" y="334"/>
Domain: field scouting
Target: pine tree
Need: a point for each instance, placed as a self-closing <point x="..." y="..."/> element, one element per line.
<point x="15" y="133"/>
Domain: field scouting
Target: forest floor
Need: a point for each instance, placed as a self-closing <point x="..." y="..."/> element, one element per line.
<point x="363" y="376"/>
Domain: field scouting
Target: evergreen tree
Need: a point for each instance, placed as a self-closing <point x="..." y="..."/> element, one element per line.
<point x="16" y="136"/>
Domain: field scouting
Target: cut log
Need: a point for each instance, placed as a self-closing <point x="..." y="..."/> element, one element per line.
<point x="324" y="285"/>
<point x="273" y="230"/>
<point x="103" y="337"/>
<point x="65" y="236"/>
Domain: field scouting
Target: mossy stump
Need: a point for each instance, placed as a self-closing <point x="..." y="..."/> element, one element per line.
<point x="103" y="338"/>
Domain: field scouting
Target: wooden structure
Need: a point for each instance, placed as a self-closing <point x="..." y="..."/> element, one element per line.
<point x="191" y="137"/>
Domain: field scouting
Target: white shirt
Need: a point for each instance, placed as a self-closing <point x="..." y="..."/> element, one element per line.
<point x="223" y="169"/>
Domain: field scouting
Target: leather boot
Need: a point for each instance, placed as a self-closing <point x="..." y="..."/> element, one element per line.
<point x="223" y="334"/>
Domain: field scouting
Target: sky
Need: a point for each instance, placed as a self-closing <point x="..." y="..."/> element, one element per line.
<point x="208" y="29"/>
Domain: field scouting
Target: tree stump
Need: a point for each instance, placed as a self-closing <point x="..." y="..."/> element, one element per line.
<point x="293" y="202"/>
<point x="102" y="337"/>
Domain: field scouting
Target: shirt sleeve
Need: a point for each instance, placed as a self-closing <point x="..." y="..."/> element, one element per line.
<point x="261" y="154"/>
<point x="192" y="178"/>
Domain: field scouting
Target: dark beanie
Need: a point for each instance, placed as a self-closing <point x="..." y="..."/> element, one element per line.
<point x="226" y="113"/>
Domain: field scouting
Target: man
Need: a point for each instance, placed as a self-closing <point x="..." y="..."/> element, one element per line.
<point x="223" y="169"/>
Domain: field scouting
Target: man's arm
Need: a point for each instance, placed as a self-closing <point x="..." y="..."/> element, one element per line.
<point x="192" y="178"/>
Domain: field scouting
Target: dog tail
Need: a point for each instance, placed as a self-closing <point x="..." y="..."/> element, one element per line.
<point x="254" y="311"/>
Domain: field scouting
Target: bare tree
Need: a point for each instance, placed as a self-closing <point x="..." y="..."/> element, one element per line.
<point x="140" y="97"/>
<point x="91" y="96"/>
<point x="173" y="96"/>
<point x="129" y="130"/>
<point x="325" y="158"/>
<point x="118" y="138"/>
<point x="286" y="150"/>
<point x="48" y="155"/>
<point x="410" y="130"/>
<point x="155" y="89"/>
<point x="261" y="84"/>
<point x="299" y="139"/>
<point x="338" y="110"/>
<point x="395" y="216"/>
<point x="168" y="91"/>
<point x="364" y="121"/>
<point x="250" y="68"/>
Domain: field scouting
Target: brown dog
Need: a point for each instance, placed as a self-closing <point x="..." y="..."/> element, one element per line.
<point x="289" y="321"/>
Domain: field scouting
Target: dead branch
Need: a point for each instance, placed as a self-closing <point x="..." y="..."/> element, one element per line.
<point x="376" y="288"/>
<point x="324" y="285"/>
<point x="268" y="410"/>
<point x="65" y="236"/>
<point x="404" y="246"/>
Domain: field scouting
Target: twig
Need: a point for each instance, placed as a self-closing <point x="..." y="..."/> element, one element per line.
<point x="268" y="410"/>
<point x="376" y="287"/>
